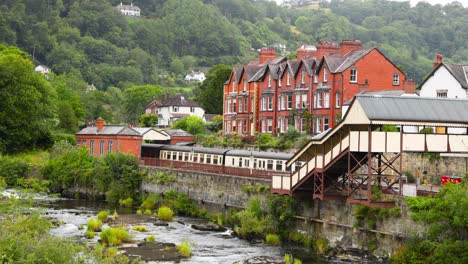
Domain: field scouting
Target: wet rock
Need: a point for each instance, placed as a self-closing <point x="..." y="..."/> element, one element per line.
<point x="180" y="222"/>
<point x="262" y="260"/>
<point x="161" y="223"/>
<point x="209" y="227"/>
<point x="256" y="241"/>
<point x="154" y="251"/>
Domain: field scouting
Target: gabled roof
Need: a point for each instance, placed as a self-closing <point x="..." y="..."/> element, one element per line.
<point x="109" y="130"/>
<point x="336" y="63"/>
<point x="458" y="71"/>
<point x="177" y="133"/>
<point x="309" y="64"/>
<point x="260" y="74"/>
<point x="155" y="102"/>
<point x="179" y="100"/>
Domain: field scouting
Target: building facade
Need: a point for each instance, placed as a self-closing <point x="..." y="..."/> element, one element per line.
<point x="274" y="94"/>
<point x="128" y="10"/>
<point x="173" y="108"/>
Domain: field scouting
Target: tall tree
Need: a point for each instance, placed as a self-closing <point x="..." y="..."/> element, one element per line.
<point x="137" y="97"/>
<point x="27" y="103"/>
<point x="209" y="94"/>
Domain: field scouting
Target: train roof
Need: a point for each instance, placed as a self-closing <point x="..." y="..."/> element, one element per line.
<point x="194" y="149"/>
<point x="259" y="154"/>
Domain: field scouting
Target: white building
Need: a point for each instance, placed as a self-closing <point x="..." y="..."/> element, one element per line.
<point x="42" y="69"/>
<point x="195" y="76"/>
<point x="175" y="108"/>
<point x="128" y="10"/>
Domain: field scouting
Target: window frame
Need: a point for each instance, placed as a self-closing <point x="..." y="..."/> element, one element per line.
<point x="353" y="74"/>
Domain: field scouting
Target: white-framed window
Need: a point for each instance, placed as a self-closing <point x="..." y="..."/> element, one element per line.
<point x="303" y="125"/>
<point x="325" y="123"/>
<point x="325" y="74"/>
<point x="263" y="125"/>
<point x="234" y="124"/>
<point x="326" y="99"/>
<point x="281" y="124"/>
<point x="109" y="145"/>
<point x="283" y="105"/>
<point x="241" y="123"/>
<point x="288" y="78"/>
<point x="441" y="93"/>
<point x="279" y="101"/>
<point x="269" y="80"/>
<point x="319" y="100"/>
<point x="270" y="125"/>
<point x="234" y="85"/>
<point x="289" y="101"/>
<point x="228" y="105"/>
<point x="302" y="77"/>
<point x="101" y="147"/>
<point x="298" y="101"/>
<point x="279" y="82"/>
<point x="353" y="75"/>
<point x="270" y="102"/>
<point x="296" y="123"/>
<point x="304" y="101"/>
<point x="244" y="127"/>
<point x="246" y="99"/>
<point x="315" y="100"/>
<point x="240" y="105"/>
<point x="175" y="109"/>
<point x="263" y="103"/>
<point x="337" y="100"/>
<point x="234" y="105"/>
<point x="192" y="109"/>
<point x="396" y="79"/>
<point x="91" y="146"/>
<point x="318" y="124"/>
<point x="245" y="85"/>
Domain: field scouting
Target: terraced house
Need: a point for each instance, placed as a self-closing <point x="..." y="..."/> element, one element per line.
<point x="273" y="94"/>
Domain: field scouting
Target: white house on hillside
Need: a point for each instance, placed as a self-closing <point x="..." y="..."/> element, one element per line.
<point x="174" y="108"/>
<point x="446" y="81"/>
<point x="128" y="10"/>
<point x="42" y="69"/>
<point x="195" y="76"/>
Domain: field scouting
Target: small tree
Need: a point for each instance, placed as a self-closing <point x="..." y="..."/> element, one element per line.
<point x="192" y="124"/>
<point x="148" y="120"/>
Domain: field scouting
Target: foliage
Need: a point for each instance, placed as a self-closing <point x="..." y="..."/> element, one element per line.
<point x="126" y="202"/>
<point x="148" y="120"/>
<point x="250" y="226"/>
<point x="282" y="210"/>
<point x="90" y="234"/>
<point x="139" y="228"/>
<point x="12" y="169"/>
<point x="216" y="124"/>
<point x="322" y="246"/>
<point x="252" y="189"/>
<point x="368" y="216"/>
<point x="209" y="94"/>
<point x="165" y="213"/>
<point x="192" y="124"/>
<point x="289" y="259"/>
<point x="103" y="215"/>
<point x="137" y="97"/>
<point x="94" y="224"/>
<point x="114" y="236"/>
<point x="184" y="249"/>
<point x="151" y="201"/>
<point x="273" y="239"/>
<point x="150" y="238"/>
<point x="164" y="178"/>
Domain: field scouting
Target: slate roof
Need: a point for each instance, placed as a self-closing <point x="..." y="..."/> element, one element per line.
<point x="421" y="109"/>
<point x="155" y="102"/>
<point x="179" y="100"/>
<point x="177" y="133"/>
<point x="259" y="154"/>
<point x="109" y="130"/>
<point x="336" y="63"/>
<point x="379" y="93"/>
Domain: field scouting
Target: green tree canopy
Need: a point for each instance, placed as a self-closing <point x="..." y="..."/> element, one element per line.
<point x="209" y="94"/>
<point x="137" y="97"/>
<point x="192" y="124"/>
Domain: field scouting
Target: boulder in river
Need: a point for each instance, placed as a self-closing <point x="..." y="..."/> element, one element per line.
<point x="209" y="227"/>
<point x="154" y="251"/>
<point x="262" y="260"/>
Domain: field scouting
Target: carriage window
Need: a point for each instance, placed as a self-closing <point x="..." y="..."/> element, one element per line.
<point x="270" y="165"/>
<point x="240" y="162"/>
<point x="208" y="159"/>
<point x="215" y="159"/>
<point x="190" y="157"/>
<point x="261" y="164"/>
<point x="174" y="155"/>
<point x="279" y="165"/>
<point x="181" y="155"/>
<point x="163" y="155"/>
<point x="255" y="164"/>
<point x="220" y="160"/>
<point x="233" y="162"/>
<point x="202" y="158"/>
<point x="186" y="156"/>
<point x="195" y="157"/>
<point x="247" y="163"/>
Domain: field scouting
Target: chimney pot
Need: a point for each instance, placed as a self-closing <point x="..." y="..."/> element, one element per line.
<point x="100" y="124"/>
<point x="438" y="60"/>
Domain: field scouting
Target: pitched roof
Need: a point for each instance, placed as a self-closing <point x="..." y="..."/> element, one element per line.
<point x="109" y="130"/>
<point x="458" y="71"/>
<point x="179" y="100"/>
<point x="177" y="133"/>
<point x="420" y="109"/>
<point x="155" y="102"/>
<point x="209" y="117"/>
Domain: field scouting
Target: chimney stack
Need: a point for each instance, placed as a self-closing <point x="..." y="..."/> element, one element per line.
<point x="438" y="60"/>
<point x="349" y="45"/>
<point x="326" y="48"/>
<point x="100" y="124"/>
<point x="266" y="54"/>
<point x="306" y="51"/>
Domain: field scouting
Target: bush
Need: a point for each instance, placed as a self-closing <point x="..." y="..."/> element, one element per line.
<point x="94" y="224"/>
<point x="114" y="236"/>
<point x="126" y="202"/>
<point x="322" y="246"/>
<point x="151" y="201"/>
<point x="184" y="249"/>
<point x="103" y="215"/>
<point x="13" y="169"/>
<point x="165" y="213"/>
<point x="289" y="259"/>
<point x="139" y="212"/>
<point x="140" y="228"/>
<point x="90" y="234"/>
<point x="150" y="238"/>
<point x="273" y="239"/>
<point x="148" y="212"/>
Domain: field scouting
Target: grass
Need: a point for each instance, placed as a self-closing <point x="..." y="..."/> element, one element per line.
<point x="139" y="212"/>
<point x="150" y="238"/>
<point x="140" y="228"/>
<point x="165" y="213"/>
<point x="90" y="234"/>
<point x="148" y="212"/>
<point x="94" y="224"/>
<point x="273" y="239"/>
<point x="114" y="236"/>
<point x="126" y="202"/>
<point x="103" y="215"/>
<point x="184" y="249"/>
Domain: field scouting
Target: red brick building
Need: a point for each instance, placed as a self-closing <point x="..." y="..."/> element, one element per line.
<point x="102" y="139"/>
<point x="272" y="94"/>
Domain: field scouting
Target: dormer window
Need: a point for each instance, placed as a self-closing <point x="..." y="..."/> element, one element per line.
<point x="302" y="77"/>
<point x="353" y="75"/>
<point x="279" y="82"/>
<point x="396" y="79"/>
<point x="234" y="86"/>
<point x="325" y="74"/>
<point x="288" y="78"/>
<point x="175" y="109"/>
<point x="269" y="81"/>
<point x="245" y="85"/>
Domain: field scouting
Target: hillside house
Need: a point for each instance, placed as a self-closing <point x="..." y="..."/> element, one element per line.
<point x="195" y="77"/>
<point x="42" y="69"/>
<point x="174" y="108"/>
<point x="273" y="94"/>
<point x="128" y="10"/>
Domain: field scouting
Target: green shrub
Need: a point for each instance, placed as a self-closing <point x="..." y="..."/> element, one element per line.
<point x="90" y="234"/>
<point x="34" y="184"/>
<point x="164" y="178"/>
<point x="151" y="201"/>
<point x="139" y="212"/>
<point x="184" y="249"/>
<point x="126" y="202"/>
<point x="273" y="239"/>
<point x="322" y="246"/>
<point x="289" y="259"/>
<point x="114" y="236"/>
<point x="94" y="224"/>
<point x="148" y="212"/>
<point x="253" y="205"/>
<point x="249" y="225"/>
<point x="140" y="228"/>
<point x="150" y="238"/>
<point x="69" y="138"/>
<point x="13" y="169"/>
<point x="165" y="213"/>
<point x="103" y="215"/>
